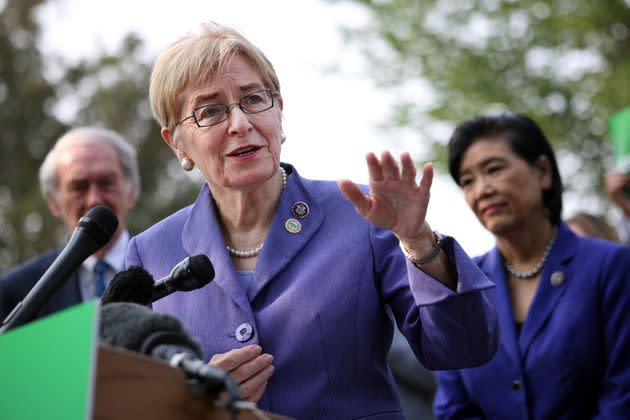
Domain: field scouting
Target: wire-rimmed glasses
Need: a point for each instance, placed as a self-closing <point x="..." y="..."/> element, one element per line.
<point x="213" y="114"/>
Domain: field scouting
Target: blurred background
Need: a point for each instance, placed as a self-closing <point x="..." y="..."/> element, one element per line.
<point x="356" y="76"/>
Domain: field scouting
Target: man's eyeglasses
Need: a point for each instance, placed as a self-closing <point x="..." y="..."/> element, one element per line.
<point x="213" y="114"/>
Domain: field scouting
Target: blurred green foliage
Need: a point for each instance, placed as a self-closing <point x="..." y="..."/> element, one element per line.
<point x="565" y="63"/>
<point x="109" y="90"/>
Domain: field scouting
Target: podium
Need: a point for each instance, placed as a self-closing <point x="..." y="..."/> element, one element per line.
<point x="53" y="368"/>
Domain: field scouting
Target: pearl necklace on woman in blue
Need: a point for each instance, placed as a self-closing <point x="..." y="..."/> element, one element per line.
<point x="255" y="251"/>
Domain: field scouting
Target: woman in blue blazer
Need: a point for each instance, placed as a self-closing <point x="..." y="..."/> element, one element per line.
<point x="562" y="300"/>
<point x="304" y="269"/>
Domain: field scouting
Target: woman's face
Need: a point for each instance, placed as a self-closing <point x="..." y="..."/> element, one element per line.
<point x="501" y="188"/>
<point x="240" y="152"/>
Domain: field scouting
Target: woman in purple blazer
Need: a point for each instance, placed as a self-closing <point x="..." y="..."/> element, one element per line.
<point x="562" y="300"/>
<point x="304" y="269"/>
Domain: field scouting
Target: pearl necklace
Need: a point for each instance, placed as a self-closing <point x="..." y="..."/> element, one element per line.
<point x="536" y="269"/>
<point x="244" y="254"/>
<point x="254" y="252"/>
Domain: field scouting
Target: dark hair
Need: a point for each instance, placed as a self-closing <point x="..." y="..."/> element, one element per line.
<point x="524" y="137"/>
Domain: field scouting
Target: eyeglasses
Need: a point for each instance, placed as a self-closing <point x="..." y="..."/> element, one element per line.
<point x="213" y="114"/>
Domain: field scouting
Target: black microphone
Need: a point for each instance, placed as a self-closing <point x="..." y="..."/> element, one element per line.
<point x="94" y="230"/>
<point x="137" y="328"/>
<point x="190" y="274"/>
<point x="136" y="285"/>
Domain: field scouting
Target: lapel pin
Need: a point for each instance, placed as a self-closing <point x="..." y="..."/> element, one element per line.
<point x="300" y="209"/>
<point x="293" y="225"/>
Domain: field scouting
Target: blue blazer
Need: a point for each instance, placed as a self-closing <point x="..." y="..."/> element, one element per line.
<point x="317" y="303"/>
<point x="572" y="357"/>
<point x="18" y="281"/>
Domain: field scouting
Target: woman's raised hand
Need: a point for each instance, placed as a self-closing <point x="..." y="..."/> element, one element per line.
<point x="395" y="201"/>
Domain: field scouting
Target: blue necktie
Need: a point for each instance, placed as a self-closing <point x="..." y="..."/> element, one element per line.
<point x="100" y="269"/>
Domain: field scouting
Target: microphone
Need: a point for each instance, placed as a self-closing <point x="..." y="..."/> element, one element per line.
<point x="136" y="285"/>
<point x="137" y="328"/>
<point x="94" y="230"/>
<point x="190" y="274"/>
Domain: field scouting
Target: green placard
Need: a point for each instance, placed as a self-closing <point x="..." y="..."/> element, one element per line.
<point x="619" y="130"/>
<point x="47" y="366"/>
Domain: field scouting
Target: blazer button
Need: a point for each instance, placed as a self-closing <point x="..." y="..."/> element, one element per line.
<point x="516" y="385"/>
<point x="244" y="332"/>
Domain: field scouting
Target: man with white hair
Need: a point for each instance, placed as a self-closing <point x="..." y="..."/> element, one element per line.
<point x="86" y="167"/>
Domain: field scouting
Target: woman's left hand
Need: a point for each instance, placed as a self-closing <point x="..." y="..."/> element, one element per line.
<point x="395" y="202"/>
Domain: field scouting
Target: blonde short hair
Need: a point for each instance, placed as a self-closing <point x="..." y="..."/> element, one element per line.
<point x="594" y="225"/>
<point x="195" y="58"/>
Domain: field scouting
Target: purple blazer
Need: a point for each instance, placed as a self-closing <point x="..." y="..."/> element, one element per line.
<point x="572" y="357"/>
<point x="317" y="303"/>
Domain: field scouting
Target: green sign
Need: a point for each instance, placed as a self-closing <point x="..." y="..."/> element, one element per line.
<point x="47" y="366"/>
<point x="619" y="130"/>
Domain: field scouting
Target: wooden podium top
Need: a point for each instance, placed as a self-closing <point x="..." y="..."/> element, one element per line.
<point x="132" y="386"/>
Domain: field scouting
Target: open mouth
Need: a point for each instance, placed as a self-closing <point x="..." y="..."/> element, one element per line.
<point x="244" y="151"/>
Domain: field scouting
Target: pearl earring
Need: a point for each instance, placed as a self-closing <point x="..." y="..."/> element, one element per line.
<point x="283" y="138"/>
<point x="187" y="164"/>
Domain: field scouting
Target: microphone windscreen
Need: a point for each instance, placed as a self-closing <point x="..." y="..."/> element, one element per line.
<point x="133" y="285"/>
<point x="100" y="223"/>
<point x="129" y="325"/>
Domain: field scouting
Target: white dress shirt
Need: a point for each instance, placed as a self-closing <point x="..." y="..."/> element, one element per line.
<point x="115" y="257"/>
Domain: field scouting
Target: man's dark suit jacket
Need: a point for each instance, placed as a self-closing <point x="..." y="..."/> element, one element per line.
<point x="18" y="281"/>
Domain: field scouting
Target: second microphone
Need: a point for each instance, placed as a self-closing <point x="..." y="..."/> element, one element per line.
<point x="136" y="285"/>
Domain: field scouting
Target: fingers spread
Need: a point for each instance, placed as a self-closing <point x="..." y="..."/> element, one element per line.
<point x="354" y="194"/>
<point x="408" y="168"/>
<point x="427" y="176"/>
<point x="375" y="169"/>
<point x="390" y="167"/>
